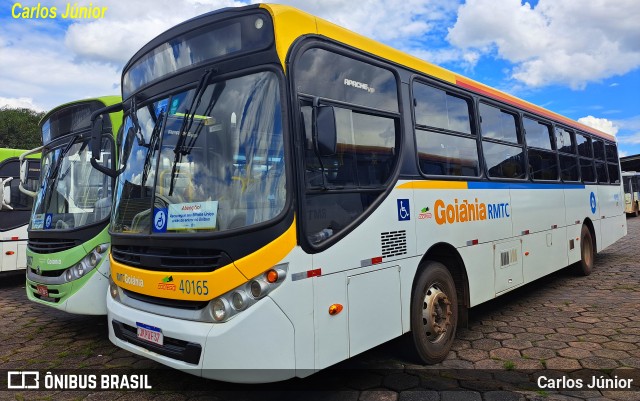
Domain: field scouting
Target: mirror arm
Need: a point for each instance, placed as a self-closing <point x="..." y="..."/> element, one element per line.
<point x="105" y="170"/>
<point x="22" y="157"/>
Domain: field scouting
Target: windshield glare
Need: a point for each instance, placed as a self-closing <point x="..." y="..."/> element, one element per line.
<point x="220" y="170"/>
<point x="74" y="194"/>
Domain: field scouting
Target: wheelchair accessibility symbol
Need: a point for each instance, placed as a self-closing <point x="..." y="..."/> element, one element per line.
<point x="160" y="220"/>
<point x="404" y="212"/>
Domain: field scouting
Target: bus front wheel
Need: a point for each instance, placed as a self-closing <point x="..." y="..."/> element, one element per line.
<point x="587" y="252"/>
<point x="434" y="312"/>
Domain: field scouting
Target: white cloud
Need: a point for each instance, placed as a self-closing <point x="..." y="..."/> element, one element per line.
<point x="128" y="26"/>
<point x="556" y="42"/>
<point x="601" y="124"/>
<point x="19" y="103"/>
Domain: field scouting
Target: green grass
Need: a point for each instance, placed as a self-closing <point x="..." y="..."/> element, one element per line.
<point x="509" y="365"/>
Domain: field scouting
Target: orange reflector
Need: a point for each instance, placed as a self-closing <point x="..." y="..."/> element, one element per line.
<point x="272" y="276"/>
<point x="335" y="309"/>
<point x="9" y="253"/>
<point x="376" y="260"/>
<point x="15" y="238"/>
<point x="526" y="254"/>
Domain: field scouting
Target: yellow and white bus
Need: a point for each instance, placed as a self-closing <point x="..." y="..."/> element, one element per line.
<point x="292" y="194"/>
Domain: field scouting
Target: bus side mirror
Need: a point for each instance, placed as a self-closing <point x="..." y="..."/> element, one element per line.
<point x="24" y="171"/>
<point x="5" y="194"/>
<point x="96" y="136"/>
<point x="98" y="129"/>
<point x="326" y="133"/>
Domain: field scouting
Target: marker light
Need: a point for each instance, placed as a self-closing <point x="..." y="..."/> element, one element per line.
<point x="68" y="275"/>
<point x="272" y="276"/>
<point x="335" y="309"/>
<point x="259" y="23"/>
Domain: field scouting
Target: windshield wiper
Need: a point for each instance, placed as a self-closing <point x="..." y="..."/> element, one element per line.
<point x="152" y="146"/>
<point x="53" y="172"/>
<point x="187" y="122"/>
<point x="133" y="113"/>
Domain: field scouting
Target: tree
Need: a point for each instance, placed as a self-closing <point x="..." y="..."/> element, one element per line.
<point x="19" y="128"/>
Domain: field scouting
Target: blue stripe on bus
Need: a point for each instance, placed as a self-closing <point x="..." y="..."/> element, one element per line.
<point x="512" y="185"/>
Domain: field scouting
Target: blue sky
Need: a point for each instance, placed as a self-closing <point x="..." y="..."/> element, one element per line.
<point x="580" y="59"/>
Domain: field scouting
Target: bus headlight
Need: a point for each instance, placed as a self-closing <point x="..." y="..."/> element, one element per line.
<point x="113" y="288"/>
<point x="242" y="298"/>
<point x="239" y="300"/>
<point x="220" y="309"/>
<point x="88" y="263"/>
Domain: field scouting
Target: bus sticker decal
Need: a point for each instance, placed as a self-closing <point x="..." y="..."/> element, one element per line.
<point x="160" y="220"/>
<point x="47" y="221"/>
<point x="38" y="221"/>
<point x="403" y="210"/>
<point x="592" y="201"/>
<point x="192" y="215"/>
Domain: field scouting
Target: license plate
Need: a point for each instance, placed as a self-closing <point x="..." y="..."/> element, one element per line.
<point x="150" y="333"/>
<point x="42" y="290"/>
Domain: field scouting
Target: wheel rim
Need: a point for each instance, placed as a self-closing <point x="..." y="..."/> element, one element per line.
<point x="436" y="314"/>
<point x="587" y="253"/>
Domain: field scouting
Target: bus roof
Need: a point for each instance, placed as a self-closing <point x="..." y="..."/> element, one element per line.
<point x="291" y="23"/>
<point x="6" y="153"/>
<point x="106" y="100"/>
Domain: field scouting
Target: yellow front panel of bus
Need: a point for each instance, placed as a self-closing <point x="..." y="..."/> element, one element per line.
<point x="204" y="286"/>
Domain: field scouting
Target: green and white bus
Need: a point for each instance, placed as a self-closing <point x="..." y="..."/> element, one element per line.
<point x="15" y="210"/>
<point x="67" y="263"/>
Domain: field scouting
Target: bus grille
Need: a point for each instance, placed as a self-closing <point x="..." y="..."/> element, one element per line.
<point x="170" y="259"/>
<point x="394" y="243"/>
<point x="50" y="245"/>
<point x="170" y="303"/>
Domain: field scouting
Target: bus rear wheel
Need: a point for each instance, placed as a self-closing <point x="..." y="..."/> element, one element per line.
<point x="434" y="313"/>
<point x="587" y="252"/>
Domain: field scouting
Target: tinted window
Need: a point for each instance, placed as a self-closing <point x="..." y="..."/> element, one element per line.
<point x="542" y="165"/>
<point x="442" y="154"/>
<point x="498" y="124"/>
<point x="586" y="168"/>
<point x="612" y="152"/>
<point x="598" y="149"/>
<point x="569" y="168"/>
<point x="503" y="161"/>
<point x="334" y="76"/>
<point x="436" y="108"/>
<point x="538" y="135"/>
<point x="584" y="146"/>
<point x="614" y="173"/>
<point x="564" y="141"/>
<point x="601" y="172"/>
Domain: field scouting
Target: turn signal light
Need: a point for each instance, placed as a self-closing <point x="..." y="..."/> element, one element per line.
<point x="335" y="309"/>
<point x="272" y="276"/>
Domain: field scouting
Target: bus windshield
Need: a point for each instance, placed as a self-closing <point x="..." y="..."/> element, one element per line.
<point x="209" y="158"/>
<point x="73" y="194"/>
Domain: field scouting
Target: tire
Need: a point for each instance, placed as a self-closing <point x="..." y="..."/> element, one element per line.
<point x="434" y="293"/>
<point x="587" y="252"/>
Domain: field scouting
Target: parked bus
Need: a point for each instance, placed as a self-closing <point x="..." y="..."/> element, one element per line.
<point x="292" y="194"/>
<point x="15" y="210"/>
<point x="631" y="184"/>
<point x="67" y="261"/>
